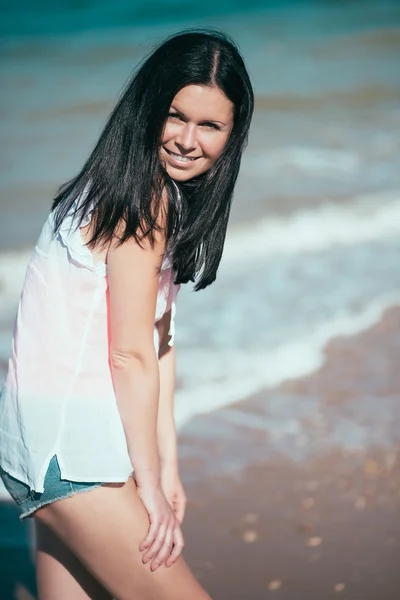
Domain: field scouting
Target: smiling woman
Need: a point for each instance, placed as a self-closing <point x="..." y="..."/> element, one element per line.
<point x="86" y="415"/>
<point x="198" y="126"/>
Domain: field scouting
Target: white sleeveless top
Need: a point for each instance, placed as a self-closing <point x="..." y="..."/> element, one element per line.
<point x="58" y="397"/>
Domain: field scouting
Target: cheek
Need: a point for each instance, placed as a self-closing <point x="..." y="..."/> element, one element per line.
<point x="168" y="133"/>
<point x="214" y="148"/>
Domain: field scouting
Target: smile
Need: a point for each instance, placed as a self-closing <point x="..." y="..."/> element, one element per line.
<point x="179" y="158"/>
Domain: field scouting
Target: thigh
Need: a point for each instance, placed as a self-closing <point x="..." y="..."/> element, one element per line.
<point x="59" y="574"/>
<point x="55" y="488"/>
<point x="103" y="528"/>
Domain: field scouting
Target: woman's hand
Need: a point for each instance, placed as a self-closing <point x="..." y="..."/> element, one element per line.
<point x="173" y="490"/>
<point x="164" y="541"/>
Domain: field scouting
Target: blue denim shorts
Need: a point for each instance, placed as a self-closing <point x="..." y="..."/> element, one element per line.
<point x="55" y="488"/>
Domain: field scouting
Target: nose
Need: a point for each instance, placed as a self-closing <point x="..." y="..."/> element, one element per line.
<point x="186" y="140"/>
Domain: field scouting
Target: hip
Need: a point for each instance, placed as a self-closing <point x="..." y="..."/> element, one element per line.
<point x="55" y="488"/>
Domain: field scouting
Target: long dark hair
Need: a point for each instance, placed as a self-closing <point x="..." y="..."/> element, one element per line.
<point x="123" y="178"/>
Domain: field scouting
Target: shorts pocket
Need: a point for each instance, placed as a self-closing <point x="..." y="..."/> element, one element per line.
<point x="19" y="491"/>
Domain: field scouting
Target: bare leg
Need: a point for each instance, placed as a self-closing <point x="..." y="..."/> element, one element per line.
<point x="103" y="528"/>
<point x="60" y="575"/>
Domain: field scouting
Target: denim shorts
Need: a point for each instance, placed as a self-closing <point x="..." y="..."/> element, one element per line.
<point x="55" y="488"/>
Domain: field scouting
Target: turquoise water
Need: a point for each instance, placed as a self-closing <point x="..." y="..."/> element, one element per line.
<point x="41" y="17"/>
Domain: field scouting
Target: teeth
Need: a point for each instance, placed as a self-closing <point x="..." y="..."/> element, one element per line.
<point x="181" y="158"/>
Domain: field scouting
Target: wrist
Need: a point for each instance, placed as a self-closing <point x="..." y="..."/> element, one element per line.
<point x="147" y="477"/>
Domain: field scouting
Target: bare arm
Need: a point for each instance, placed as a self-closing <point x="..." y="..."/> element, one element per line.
<point x="166" y="430"/>
<point x="133" y="284"/>
<point x="133" y="277"/>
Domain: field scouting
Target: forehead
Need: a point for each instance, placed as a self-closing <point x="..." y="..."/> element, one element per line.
<point x="200" y="102"/>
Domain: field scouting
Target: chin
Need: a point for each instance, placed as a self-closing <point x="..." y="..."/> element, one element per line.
<point x="181" y="175"/>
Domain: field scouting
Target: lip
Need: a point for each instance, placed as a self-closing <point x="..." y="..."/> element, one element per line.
<point x="177" y="162"/>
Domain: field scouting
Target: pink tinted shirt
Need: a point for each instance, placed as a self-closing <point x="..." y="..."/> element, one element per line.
<point x="58" y="397"/>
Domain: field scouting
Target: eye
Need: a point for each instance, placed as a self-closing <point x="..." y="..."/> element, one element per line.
<point x="174" y="116"/>
<point x="211" y="126"/>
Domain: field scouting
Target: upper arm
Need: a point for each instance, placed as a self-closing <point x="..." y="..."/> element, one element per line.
<point x="133" y="279"/>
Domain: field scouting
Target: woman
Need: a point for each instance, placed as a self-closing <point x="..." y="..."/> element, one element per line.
<point x="87" y="405"/>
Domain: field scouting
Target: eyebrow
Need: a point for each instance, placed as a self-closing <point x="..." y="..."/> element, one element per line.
<point x="204" y="121"/>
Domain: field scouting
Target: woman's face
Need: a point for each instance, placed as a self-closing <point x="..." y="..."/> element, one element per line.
<point x="196" y="131"/>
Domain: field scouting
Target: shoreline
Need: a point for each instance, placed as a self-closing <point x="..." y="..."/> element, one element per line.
<point x="317" y="514"/>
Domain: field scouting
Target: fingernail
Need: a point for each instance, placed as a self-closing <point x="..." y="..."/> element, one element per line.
<point x="154" y="567"/>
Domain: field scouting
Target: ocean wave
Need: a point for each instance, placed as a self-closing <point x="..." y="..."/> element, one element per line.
<point x="315" y="161"/>
<point x="285" y="287"/>
<point x="241" y="374"/>
<point x="368" y="218"/>
<point x="228" y="377"/>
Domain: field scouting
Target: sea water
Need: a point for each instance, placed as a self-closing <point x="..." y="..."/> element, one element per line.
<point x="313" y="246"/>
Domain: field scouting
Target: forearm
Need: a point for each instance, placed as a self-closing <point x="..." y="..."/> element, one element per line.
<point x="136" y="384"/>
<point x="166" y="432"/>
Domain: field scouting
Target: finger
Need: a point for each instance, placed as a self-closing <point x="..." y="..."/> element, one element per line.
<point x="165" y="549"/>
<point x="151" y="536"/>
<point x="149" y="539"/>
<point x="156" y="545"/>
<point x="177" y="549"/>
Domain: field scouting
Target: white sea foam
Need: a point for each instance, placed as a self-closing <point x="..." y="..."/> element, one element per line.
<point x="241" y="374"/>
<point x="223" y="375"/>
<point x="368" y="218"/>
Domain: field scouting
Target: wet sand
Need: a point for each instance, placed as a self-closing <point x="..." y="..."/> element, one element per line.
<point x="294" y="493"/>
<point x="322" y="521"/>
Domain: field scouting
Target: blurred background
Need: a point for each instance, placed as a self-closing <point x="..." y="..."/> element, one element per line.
<point x="288" y="396"/>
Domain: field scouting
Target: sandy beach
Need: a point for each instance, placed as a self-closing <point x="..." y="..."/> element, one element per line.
<point x="324" y="523"/>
